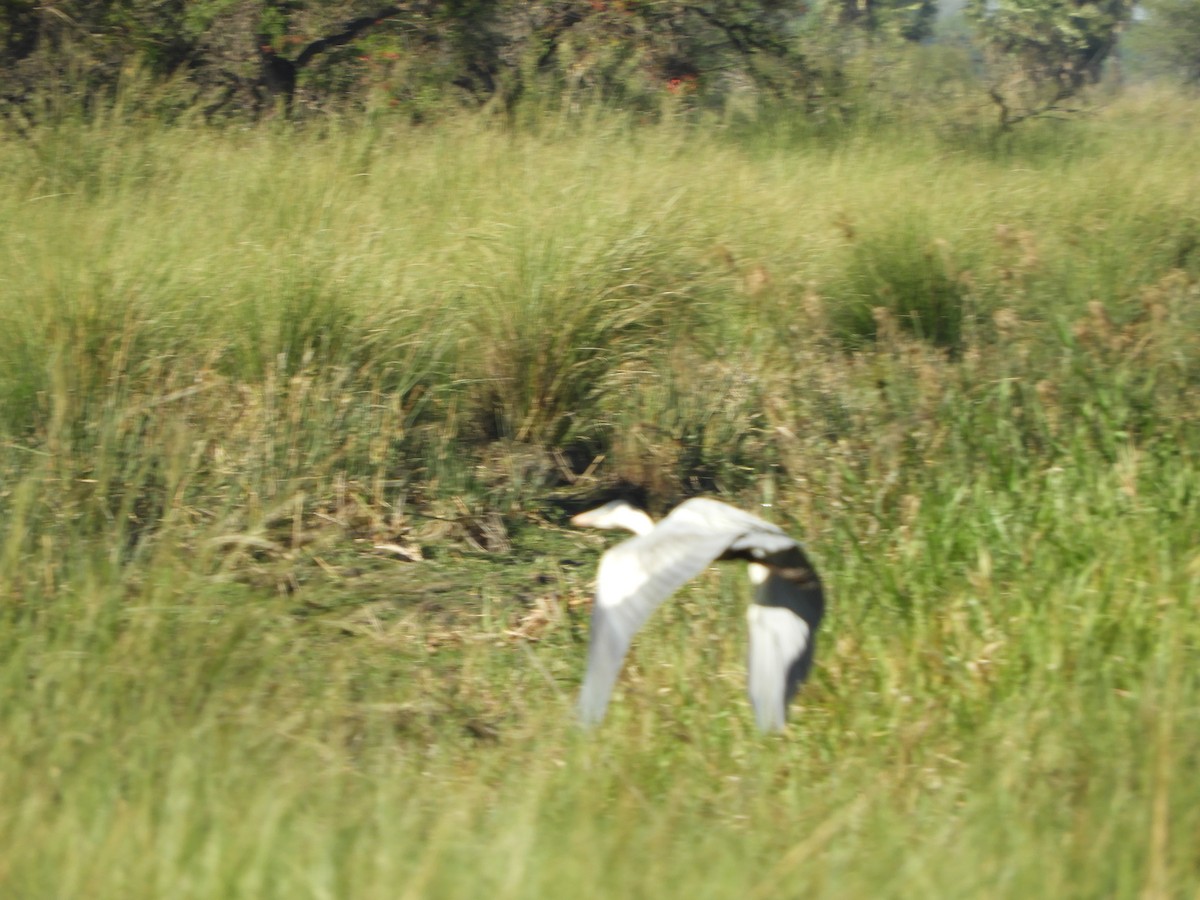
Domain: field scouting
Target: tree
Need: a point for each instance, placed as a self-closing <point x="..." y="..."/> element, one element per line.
<point x="1169" y="38"/>
<point x="910" y="19"/>
<point x="221" y="46"/>
<point x="243" y="57"/>
<point x="1042" y="53"/>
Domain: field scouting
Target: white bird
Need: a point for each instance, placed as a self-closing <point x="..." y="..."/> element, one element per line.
<point x="634" y="577"/>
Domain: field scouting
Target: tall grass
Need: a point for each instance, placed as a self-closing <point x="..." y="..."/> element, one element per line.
<point x="234" y="364"/>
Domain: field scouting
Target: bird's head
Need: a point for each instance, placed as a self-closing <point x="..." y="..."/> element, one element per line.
<point x="616" y="514"/>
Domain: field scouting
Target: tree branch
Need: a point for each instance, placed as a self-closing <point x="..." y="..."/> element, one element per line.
<point x="350" y="30"/>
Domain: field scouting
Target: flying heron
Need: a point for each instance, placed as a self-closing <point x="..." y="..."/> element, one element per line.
<point x="637" y="575"/>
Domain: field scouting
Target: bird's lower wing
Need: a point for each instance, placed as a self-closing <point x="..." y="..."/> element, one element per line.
<point x="781" y="650"/>
<point x="789" y="604"/>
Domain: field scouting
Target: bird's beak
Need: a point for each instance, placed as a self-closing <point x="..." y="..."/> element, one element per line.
<point x="583" y="520"/>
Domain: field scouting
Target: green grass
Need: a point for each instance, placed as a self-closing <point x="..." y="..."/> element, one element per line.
<point x="232" y="363"/>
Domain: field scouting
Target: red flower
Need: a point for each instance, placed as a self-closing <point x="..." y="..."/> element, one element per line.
<point x="681" y="82"/>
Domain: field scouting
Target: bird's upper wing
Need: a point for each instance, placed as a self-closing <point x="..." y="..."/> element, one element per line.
<point x="633" y="579"/>
<point x="713" y="515"/>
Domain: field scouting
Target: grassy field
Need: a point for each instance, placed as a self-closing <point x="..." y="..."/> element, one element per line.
<point x="234" y="364"/>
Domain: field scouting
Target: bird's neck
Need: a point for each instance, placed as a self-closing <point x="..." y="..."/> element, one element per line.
<point x="634" y="520"/>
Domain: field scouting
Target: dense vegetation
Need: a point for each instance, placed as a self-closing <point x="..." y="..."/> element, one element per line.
<point x="293" y="413"/>
<point x="249" y="58"/>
